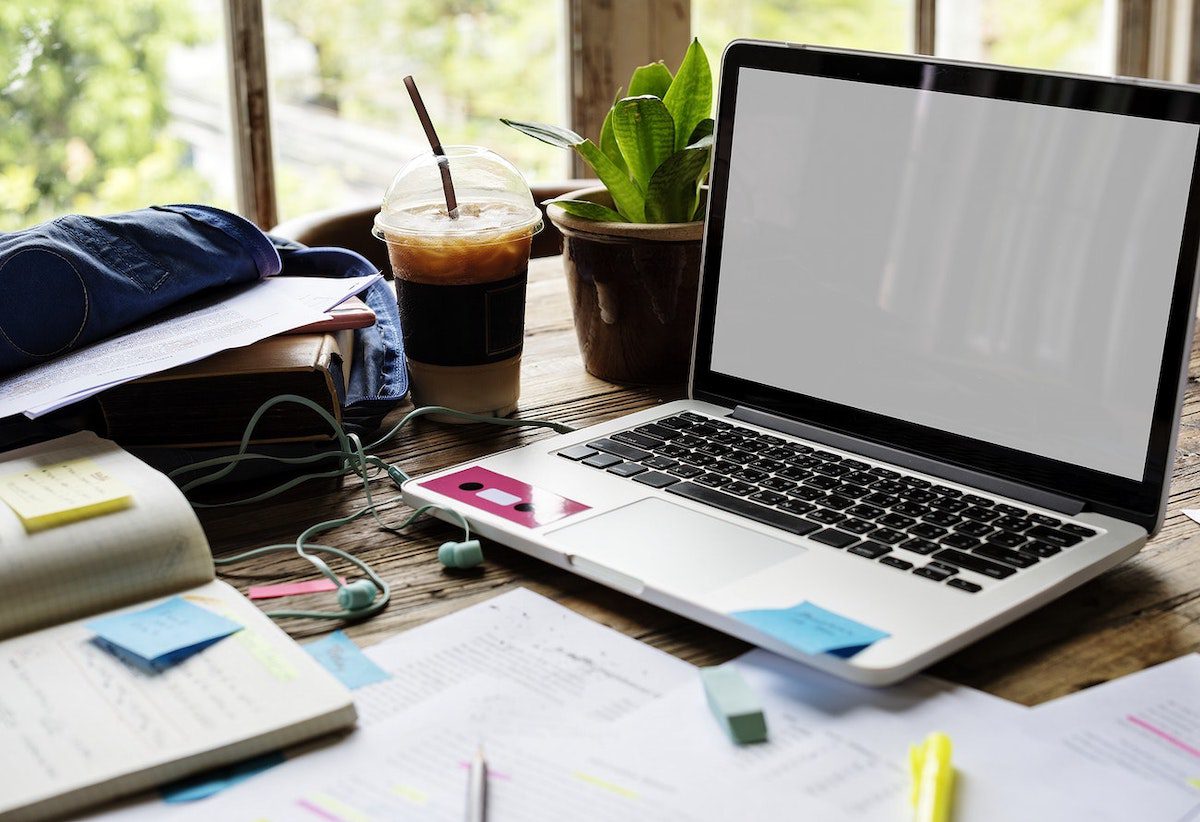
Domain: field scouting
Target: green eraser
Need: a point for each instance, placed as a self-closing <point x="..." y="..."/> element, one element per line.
<point x="734" y="704"/>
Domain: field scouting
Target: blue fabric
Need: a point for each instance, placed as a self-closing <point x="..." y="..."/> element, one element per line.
<point x="76" y="280"/>
<point x="378" y="376"/>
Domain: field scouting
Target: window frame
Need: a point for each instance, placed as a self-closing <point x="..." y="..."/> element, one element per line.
<point x="607" y="39"/>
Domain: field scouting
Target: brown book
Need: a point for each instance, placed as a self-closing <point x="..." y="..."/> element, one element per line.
<point x="210" y="402"/>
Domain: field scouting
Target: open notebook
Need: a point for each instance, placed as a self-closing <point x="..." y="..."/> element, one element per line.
<point x="79" y="726"/>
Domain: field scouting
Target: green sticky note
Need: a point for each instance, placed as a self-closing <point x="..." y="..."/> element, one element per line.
<point x="734" y="704"/>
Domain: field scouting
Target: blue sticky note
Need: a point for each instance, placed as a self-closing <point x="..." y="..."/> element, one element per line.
<point x="204" y="785"/>
<point x="338" y="654"/>
<point x="165" y="633"/>
<point x="812" y="629"/>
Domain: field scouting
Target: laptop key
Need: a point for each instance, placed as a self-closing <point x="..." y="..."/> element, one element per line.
<point x="837" y="502"/>
<point x="724" y="467"/>
<point x="602" y="461"/>
<point x="741" y="507"/>
<point x="896" y="521"/>
<point x="926" y="531"/>
<point x="824" y="483"/>
<point x="1040" y="549"/>
<point x="826" y="517"/>
<point x="959" y="541"/>
<point x="883" y="472"/>
<point x="981" y="514"/>
<point x="1005" y="555"/>
<point x="713" y="480"/>
<point x="1011" y="522"/>
<point x="916" y="482"/>
<point x="834" y="538"/>
<point x="685" y="471"/>
<point x="918" y="495"/>
<point x="974" y="529"/>
<point x="627" y="469"/>
<point x="910" y="509"/>
<point x="696" y="458"/>
<point x="1077" y="530"/>
<point x="894" y="562"/>
<point x="793" y="473"/>
<point x="828" y="456"/>
<point x="655" y="480"/>
<point x="945" y="491"/>
<point x="936" y="574"/>
<point x="882" y="500"/>
<point x="1009" y="510"/>
<point x="857" y="526"/>
<point x="798" y="506"/>
<point x="979" y="565"/>
<point x="942" y="519"/>
<point x="675" y="423"/>
<point x="657" y="431"/>
<point x="975" y="499"/>
<point x="888" y="487"/>
<point x="949" y="504"/>
<point x="1006" y="539"/>
<point x="625" y="452"/>
<point x="919" y="546"/>
<point x="847" y="489"/>
<point x="806" y="493"/>
<point x="577" y="452"/>
<point x="1053" y="536"/>
<point x="778" y="484"/>
<point x="870" y="550"/>
<point x="1042" y="519"/>
<point x="964" y="585"/>
<point x="888" y="535"/>
<point x="740" y="488"/>
<point x="865" y="511"/>
<point x="749" y="475"/>
<point x="659" y="463"/>
<point x="855" y="465"/>
<point x="672" y="450"/>
<point x="768" y="497"/>
<point x="863" y="478"/>
<point x="636" y="439"/>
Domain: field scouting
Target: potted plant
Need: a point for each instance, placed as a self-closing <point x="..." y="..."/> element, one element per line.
<point x="631" y="248"/>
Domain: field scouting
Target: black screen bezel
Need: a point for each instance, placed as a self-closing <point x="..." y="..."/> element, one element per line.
<point x="1132" y="500"/>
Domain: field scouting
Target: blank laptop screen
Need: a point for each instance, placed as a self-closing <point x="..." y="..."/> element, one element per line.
<point x="998" y="270"/>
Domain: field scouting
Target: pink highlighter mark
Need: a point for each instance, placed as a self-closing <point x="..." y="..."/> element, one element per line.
<point x="313" y="809"/>
<point x="1163" y="735"/>
<point x="287" y="589"/>
<point x="505" y="497"/>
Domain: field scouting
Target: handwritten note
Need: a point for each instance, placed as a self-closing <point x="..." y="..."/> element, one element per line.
<point x="165" y="633"/>
<point x="342" y="658"/>
<point x="63" y="492"/>
<point x="812" y="629"/>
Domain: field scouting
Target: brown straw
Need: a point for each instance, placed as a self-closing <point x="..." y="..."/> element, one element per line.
<point x="436" y="145"/>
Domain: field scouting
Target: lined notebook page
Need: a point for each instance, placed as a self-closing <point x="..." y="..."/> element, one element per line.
<point x="153" y="547"/>
<point x="86" y="727"/>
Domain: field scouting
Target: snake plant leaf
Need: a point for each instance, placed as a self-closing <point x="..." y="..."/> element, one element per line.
<point x="673" y="195"/>
<point x="689" y="99"/>
<point x="703" y="129"/>
<point x="654" y="78"/>
<point x="554" y="135"/>
<point x="587" y="210"/>
<point x="645" y="134"/>
<point x="627" y="197"/>
<point x="608" y="143"/>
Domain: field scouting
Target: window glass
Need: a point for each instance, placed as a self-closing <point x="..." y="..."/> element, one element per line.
<point x="1066" y="35"/>
<point x="878" y="25"/>
<point x="110" y="105"/>
<point x="342" y="121"/>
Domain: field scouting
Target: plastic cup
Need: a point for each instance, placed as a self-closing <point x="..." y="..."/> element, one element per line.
<point x="460" y="283"/>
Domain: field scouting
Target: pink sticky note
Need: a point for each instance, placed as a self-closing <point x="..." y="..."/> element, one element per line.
<point x="287" y="589"/>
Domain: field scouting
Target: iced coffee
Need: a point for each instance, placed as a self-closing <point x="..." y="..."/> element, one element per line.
<point x="460" y="280"/>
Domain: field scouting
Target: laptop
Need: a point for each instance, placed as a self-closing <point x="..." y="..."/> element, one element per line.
<point x="941" y="343"/>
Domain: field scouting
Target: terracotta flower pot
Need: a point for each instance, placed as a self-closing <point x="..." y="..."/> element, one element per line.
<point x="633" y="290"/>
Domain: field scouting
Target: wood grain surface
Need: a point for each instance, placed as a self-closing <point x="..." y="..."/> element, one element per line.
<point x="1141" y="613"/>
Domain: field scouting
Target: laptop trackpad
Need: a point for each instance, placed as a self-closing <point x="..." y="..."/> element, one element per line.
<point x="669" y="547"/>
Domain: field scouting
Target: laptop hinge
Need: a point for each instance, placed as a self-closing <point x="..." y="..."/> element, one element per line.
<point x="926" y="465"/>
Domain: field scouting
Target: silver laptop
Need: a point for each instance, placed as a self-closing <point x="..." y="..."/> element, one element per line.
<point x="941" y="343"/>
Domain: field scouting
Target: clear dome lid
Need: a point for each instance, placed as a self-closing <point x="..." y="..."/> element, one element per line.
<point x="493" y="199"/>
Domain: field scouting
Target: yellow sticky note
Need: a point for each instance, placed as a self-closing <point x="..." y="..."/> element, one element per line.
<point x="62" y="493"/>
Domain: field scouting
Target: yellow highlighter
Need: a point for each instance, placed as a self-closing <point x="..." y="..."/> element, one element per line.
<point x="932" y="778"/>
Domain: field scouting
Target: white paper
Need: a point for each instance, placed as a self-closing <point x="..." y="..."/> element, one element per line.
<point x="1145" y="727"/>
<point x="1192" y="513"/>
<point x="189" y="332"/>
<point x="847" y="745"/>
<point x="517" y="667"/>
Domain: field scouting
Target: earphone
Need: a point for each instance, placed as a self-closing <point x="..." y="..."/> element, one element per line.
<point x="365" y="597"/>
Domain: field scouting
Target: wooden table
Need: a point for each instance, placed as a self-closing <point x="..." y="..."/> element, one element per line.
<point x="1144" y="612"/>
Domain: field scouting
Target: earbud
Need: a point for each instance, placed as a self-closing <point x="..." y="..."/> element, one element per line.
<point x="357" y="595"/>
<point x="461" y="554"/>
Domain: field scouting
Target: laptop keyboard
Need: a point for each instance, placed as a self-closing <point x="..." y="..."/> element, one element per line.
<point x="905" y="522"/>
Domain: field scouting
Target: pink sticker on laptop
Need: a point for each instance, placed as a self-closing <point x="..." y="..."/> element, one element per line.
<point x="503" y="496"/>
